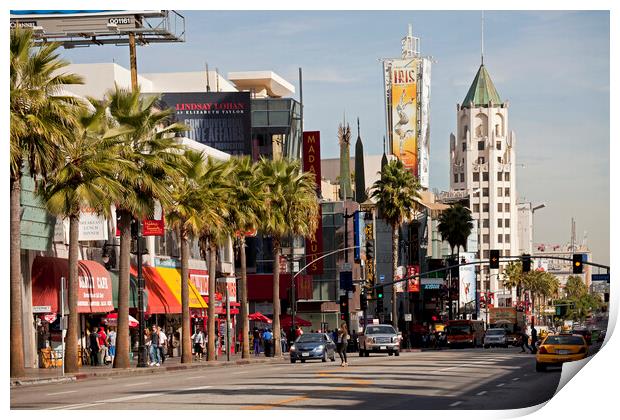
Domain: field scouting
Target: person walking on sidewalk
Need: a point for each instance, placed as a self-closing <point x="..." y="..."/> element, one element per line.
<point x="154" y="347"/>
<point x="267" y="340"/>
<point x="534" y="339"/>
<point x="524" y="338"/>
<point x="199" y="342"/>
<point x="93" y="341"/>
<point x="343" y="341"/>
<point x="256" y="341"/>
<point x="112" y="344"/>
<point x="163" y="342"/>
<point x="102" y="345"/>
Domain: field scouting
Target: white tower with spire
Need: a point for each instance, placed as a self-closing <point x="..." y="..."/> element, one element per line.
<point x="482" y="162"/>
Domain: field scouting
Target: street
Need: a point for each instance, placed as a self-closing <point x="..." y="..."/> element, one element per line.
<point x="492" y="379"/>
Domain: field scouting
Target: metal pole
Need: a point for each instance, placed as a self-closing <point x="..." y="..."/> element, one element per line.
<point x="227" y="324"/>
<point x="132" y="61"/>
<point x="142" y="357"/>
<point x="346" y="231"/>
<point x="62" y="321"/>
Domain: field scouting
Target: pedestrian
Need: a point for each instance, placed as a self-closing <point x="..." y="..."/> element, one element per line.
<point x="102" y="345"/>
<point x="112" y="344"/>
<point x="256" y="337"/>
<point x="163" y="343"/>
<point x="93" y="340"/>
<point x="267" y="340"/>
<point x="155" y="347"/>
<point x="299" y="332"/>
<point x="524" y="338"/>
<point x="147" y="343"/>
<point x="534" y="339"/>
<point x="199" y="343"/>
<point x="343" y="340"/>
<point x="283" y="340"/>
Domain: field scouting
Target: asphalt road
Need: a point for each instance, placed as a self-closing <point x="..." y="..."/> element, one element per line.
<point x="449" y="379"/>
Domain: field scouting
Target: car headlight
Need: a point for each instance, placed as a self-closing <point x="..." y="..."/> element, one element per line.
<point x="293" y="347"/>
<point x="319" y="348"/>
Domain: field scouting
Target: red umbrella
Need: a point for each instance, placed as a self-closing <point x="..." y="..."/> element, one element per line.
<point x="257" y="316"/>
<point x="285" y="321"/>
<point x="112" y="320"/>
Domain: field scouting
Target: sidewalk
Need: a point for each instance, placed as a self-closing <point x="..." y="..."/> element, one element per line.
<point x="54" y="375"/>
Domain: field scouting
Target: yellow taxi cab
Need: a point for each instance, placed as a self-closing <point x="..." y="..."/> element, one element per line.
<point x="556" y="349"/>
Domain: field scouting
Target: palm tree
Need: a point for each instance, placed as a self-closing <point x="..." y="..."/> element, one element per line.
<point x="513" y="277"/>
<point x="84" y="176"/>
<point x="153" y="158"/>
<point x="575" y="287"/>
<point x="396" y="192"/>
<point x="185" y="217"/>
<point x="249" y="198"/>
<point x="41" y="118"/>
<point x="214" y="215"/>
<point x="291" y="209"/>
<point x="455" y="226"/>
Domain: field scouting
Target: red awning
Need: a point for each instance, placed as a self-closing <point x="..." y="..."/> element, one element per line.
<point x="285" y="321"/>
<point x="94" y="285"/>
<point x="260" y="286"/>
<point x="161" y="298"/>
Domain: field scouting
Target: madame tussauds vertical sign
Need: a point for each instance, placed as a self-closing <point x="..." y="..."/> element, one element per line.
<point x="221" y="120"/>
<point x="312" y="163"/>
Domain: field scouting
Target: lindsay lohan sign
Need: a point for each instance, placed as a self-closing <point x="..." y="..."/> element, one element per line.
<point x="221" y="120"/>
<point x="312" y="163"/>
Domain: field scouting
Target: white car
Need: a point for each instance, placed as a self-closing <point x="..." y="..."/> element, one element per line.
<point x="381" y="338"/>
<point x="495" y="337"/>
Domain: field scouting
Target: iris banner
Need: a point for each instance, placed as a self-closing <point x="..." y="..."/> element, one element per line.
<point x="312" y="163"/>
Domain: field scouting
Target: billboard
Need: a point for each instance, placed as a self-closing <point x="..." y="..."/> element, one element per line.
<point x="403" y="104"/>
<point x="221" y="120"/>
<point x="414" y="284"/>
<point x="467" y="282"/>
<point x="425" y="129"/>
<point x="312" y="163"/>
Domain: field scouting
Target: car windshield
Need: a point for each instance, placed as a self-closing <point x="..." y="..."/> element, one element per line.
<point x="496" y="332"/>
<point x="459" y="329"/>
<point x="380" y="329"/>
<point x="564" y="340"/>
<point x="310" y="338"/>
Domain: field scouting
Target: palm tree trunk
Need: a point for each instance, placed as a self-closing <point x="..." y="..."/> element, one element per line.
<point x="276" y="297"/>
<point x="211" y="309"/>
<point x="394" y="269"/>
<point x="121" y="360"/>
<point x="17" y="332"/>
<point x="186" y="350"/>
<point x="71" y="356"/>
<point x="245" y="324"/>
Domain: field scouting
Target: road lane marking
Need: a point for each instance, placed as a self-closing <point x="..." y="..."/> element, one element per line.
<point x="454" y="404"/>
<point x="132" y="397"/>
<point x="239" y="373"/>
<point x="136" y="384"/>
<point x="74" y="406"/>
<point x="515" y="379"/>
<point x="499" y="385"/>
<point x="275" y="404"/>
<point x="481" y="393"/>
<point x="63" y="392"/>
<point x="195" y="377"/>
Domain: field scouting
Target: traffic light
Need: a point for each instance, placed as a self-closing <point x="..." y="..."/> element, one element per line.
<point x="526" y="263"/>
<point x="577" y="263"/>
<point x="380" y="299"/>
<point x="494" y="258"/>
<point x="370" y="250"/>
<point x="344" y="307"/>
<point x="134" y="228"/>
<point x="363" y="301"/>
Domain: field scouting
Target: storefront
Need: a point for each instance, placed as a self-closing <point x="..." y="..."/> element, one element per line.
<point x="50" y="276"/>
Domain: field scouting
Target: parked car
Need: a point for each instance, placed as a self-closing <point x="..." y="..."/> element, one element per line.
<point x="309" y="346"/>
<point x="495" y="337"/>
<point x="380" y="338"/>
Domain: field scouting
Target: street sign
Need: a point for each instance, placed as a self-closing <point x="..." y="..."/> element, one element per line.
<point x="346" y="267"/>
<point x="41" y="309"/>
<point x="381" y="278"/>
<point x="600" y="277"/>
<point x="408" y="317"/>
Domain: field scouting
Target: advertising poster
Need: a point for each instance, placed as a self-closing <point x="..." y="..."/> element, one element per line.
<point x="425" y="130"/>
<point x="400" y="273"/>
<point x="404" y="103"/>
<point x="93" y="227"/>
<point x="154" y="226"/>
<point x="414" y="284"/>
<point x="467" y="282"/>
<point x="221" y="120"/>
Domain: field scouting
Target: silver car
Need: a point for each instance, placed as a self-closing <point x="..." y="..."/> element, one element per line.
<point x="380" y="338"/>
<point x="495" y="337"/>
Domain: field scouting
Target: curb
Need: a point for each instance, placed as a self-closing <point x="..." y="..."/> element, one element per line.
<point x="141" y="371"/>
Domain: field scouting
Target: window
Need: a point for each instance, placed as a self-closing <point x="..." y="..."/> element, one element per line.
<point x="464" y="146"/>
<point x="476" y="208"/>
<point x="465" y="128"/>
<point x="485" y="223"/>
<point x="485" y="254"/>
<point x="507" y="207"/>
<point x="462" y="177"/>
<point x="499" y="159"/>
<point x="507" y="223"/>
<point x="499" y="191"/>
<point x="498" y="145"/>
<point x="485" y="239"/>
<point x="507" y="238"/>
<point x="485" y="192"/>
<point x="500" y="207"/>
<point x="499" y="222"/>
<point x="499" y="238"/>
<point x="507" y="192"/>
<point x="485" y="176"/>
<point x="485" y="208"/>
<point x="476" y="176"/>
<point x="481" y="160"/>
<point x="507" y="176"/>
<point x="456" y="177"/>
<point x="481" y="145"/>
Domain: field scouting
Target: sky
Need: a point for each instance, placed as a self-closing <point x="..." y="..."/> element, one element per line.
<point x="552" y="67"/>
